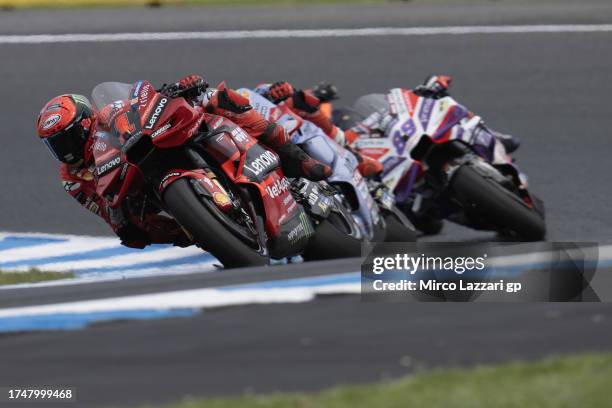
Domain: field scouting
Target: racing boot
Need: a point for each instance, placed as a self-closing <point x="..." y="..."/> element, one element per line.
<point x="510" y="143"/>
<point x="295" y="161"/>
<point x="368" y="167"/>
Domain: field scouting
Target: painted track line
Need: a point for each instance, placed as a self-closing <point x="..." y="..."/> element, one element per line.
<point x="100" y="258"/>
<point x="188" y="302"/>
<point x="305" y="33"/>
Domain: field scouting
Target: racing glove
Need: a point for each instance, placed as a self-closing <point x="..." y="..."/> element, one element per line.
<point x="435" y="86"/>
<point x="325" y="92"/>
<point x="191" y="81"/>
<point x="165" y="230"/>
<point x="133" y="237"/>
<point x="305" y="102"/>
<point x="189" y="87"/>
<point x="279" y="91"/>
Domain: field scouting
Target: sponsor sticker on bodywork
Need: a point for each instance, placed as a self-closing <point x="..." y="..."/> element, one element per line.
<point x="51" y="121"/>
<point x="157" y="113"/>
<point x="161" y="130"/>
<point x="108" y="166"/>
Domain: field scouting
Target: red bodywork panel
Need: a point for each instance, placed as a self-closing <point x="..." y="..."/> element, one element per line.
<point x="171" y="123"/>
<point x="231" y="148"/>
<point x="207" y="181"/>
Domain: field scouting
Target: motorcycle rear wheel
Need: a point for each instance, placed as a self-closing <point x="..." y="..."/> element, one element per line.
<point x="199" y="219"/>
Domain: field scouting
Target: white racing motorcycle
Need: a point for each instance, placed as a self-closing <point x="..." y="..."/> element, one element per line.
<point x="373" y="207"/>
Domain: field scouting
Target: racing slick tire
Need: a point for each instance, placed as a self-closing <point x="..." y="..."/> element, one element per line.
<point x="197" y="216"/>
<point x="486" y="199"/>
<point x="399" y="228"/>
<point x="331" y="243"/>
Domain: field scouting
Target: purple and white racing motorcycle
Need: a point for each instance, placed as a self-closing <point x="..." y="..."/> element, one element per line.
<point x="442" y="162"/>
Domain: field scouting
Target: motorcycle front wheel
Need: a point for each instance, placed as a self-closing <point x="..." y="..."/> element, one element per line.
<point x="399" y="228"/>
<point x="204" y="221"/>
<point x="487" y="200"/>
<point x="331" y="241"/>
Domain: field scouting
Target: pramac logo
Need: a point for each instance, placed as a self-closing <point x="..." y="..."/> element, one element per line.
<point x="51" y="121"/>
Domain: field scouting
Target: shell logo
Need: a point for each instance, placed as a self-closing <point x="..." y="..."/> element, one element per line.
<point x="221" y="199"/>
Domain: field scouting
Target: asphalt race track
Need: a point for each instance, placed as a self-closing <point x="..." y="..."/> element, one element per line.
<point x="293" y="347"/>
<point x="549" y="89"/>
<point x="552" y="90"/>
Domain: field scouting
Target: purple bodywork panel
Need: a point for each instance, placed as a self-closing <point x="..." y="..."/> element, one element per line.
<point x="454" y="116"/>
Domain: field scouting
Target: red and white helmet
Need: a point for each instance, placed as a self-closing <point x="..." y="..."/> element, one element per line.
<point x="65" y="124"/>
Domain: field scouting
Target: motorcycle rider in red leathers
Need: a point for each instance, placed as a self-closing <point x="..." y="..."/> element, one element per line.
<point x="67" y="124"/>
<point x="308" y="106"/>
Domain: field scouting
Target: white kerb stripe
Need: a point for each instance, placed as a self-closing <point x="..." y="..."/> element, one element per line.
<point x="72" y="246"/>
<point x="164" y="254"/>
<point x="195" y="298"/>
<point x="306" y="33"/>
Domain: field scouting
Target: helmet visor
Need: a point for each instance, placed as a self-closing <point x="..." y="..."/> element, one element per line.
<point x="67" y="145"/>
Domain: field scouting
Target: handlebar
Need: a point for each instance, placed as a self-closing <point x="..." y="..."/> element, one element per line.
<point x="174" y="91"/>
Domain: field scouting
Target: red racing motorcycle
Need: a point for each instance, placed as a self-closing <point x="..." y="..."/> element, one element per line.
<point x="223" y="187"/>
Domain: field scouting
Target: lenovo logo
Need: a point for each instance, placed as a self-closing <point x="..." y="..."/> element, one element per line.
<point x="161" y="105"/>
<point x="108" y="166"/>
<point x="263" y="163"/>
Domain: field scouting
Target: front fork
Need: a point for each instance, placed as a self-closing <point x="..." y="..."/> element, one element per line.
<point x="319" y="200"/>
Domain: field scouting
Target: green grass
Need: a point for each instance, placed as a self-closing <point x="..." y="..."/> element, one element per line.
<point x="19" y="4"/>
<point x="135" y="3"/>
<point x="564" y="382"/>
<point x="31" y="276"/>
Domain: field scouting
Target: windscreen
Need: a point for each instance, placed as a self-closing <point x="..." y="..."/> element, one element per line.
<point x="109" y="92"/>
<point x="368" y="104"/>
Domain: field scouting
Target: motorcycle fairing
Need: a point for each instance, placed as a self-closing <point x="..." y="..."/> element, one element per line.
<point x="237" y="152"/>
<point x="344" y="171"/>
<point x="443" y="120"/>
<point x="320" y="147"/>
<point x="113" y="174"/>
<point x="205" y="184"/>
<point x="170" y="122"/>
